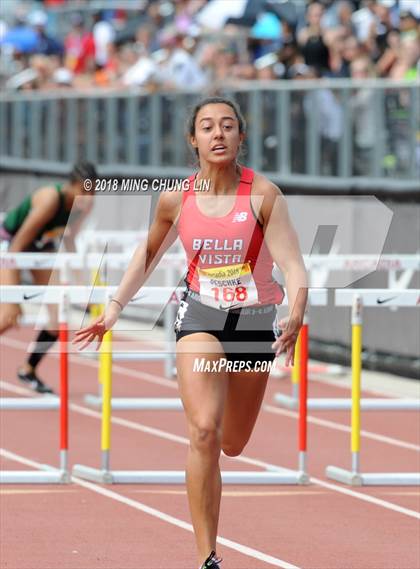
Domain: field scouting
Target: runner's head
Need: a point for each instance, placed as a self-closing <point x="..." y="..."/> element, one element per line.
<point x="216" y="130"/>
<point x="81" y="172"/>
<point x="82" y="182"/>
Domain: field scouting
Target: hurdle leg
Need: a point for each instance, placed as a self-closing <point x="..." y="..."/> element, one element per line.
<point x="64" y="395"/>
<point x="356" y="367"/>
<point x="303" y="399"/>
<point x="295" y="376"/>
<point x="353" y="477"/>
<point x="106" y="361"/>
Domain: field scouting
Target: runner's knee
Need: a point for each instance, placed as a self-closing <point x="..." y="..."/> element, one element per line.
<point x="232" y="449"/>
<point x="205" y="437"/>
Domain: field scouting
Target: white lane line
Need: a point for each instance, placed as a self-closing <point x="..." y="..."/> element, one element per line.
<point x="344" y="428"/>
<point x="340" y="489"/>
<point x="244" y="549"/>
<point x="247" y="460"/>
<point x="154" y="379"/>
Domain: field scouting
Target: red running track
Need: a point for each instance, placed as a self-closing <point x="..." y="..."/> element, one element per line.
<point x="87" y="526"/>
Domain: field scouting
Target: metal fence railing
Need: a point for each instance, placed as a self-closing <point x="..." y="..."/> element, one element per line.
<point x="330" y="134"/>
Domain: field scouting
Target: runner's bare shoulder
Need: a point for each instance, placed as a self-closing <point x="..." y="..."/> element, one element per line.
<point x="46" y="197"/>
<point x="264" y="195"/>
<point x="169" y="205"/>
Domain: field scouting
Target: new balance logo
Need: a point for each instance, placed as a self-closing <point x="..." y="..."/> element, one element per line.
<point x="240" y="216"/>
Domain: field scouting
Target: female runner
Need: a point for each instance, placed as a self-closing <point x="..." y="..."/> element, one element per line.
<point x="226" y="322"/>
<point x="33" y="226"/>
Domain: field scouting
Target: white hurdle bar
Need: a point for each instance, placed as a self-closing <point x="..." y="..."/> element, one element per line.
<point x="357" y="299"/>
<point x="121" y="260"/>
<point x="279" y="475"/>
<point x="343" y="404"/>
<point x="45" y="403"/>
<point x="39" y="294"/>
<point x="378" y="298"/>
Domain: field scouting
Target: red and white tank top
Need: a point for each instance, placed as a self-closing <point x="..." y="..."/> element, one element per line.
<point x="229" y="265"/>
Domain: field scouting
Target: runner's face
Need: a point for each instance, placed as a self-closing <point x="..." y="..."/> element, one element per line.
<point x="217" y="136"/>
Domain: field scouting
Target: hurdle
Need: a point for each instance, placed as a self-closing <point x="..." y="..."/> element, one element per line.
<point x="160" y="403"/>
<point x="393" y="298"/>
<point x="47" y="401"/>
<point x="276" y="475"/>
<point x="114" y="261"/>
<point x="317" y="266"/>
<point x="50" y="475"/>
<point x="357" y="299"/>
<point x="142" y="403"/>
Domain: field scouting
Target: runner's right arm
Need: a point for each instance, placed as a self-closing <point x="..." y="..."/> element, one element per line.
<point x="161" y="235"/>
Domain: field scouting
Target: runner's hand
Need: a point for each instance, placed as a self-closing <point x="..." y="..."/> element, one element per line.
<point x="97" y="329"/>
<point x="287" y="340"/>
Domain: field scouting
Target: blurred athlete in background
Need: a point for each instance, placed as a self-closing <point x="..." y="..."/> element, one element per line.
<point x="34" y="226"/>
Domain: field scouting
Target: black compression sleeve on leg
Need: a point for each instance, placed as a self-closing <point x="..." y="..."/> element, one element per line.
<point x="44" y="342"/>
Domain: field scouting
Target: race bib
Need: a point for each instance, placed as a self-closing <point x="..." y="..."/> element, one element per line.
<point x="227" y="287"/>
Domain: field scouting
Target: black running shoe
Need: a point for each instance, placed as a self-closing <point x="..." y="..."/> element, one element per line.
<point x="34" y="382"/>
<point x="212" y="562"/>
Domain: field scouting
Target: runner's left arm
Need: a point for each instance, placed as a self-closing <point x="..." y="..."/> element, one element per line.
<point x="283" y="244"/>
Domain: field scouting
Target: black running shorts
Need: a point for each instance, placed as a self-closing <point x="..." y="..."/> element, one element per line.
<point x="246" y="334"/>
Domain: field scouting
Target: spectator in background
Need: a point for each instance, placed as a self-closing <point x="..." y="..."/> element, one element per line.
<point x="345" y="10"/>
<point x="409" y="23"/>
<point x="351" y="50"/>
<point x="298" y="72"/>
<point x="142" y="72"/>
<point x="364" y="19"/>
<point x="62" y="78"/>
<point x="224" y="63"/>
<point x="103" y="35"/>
<point x="362" y="104"/>
<point x="146" y="38"/>
<point x="288" y="32"/>
<point x="339" y="14"/>
<point x="289" y="56"/>
<point x="335" y="40"/>
<point x="79" y="47"/>
<point x="383" y="28"/>
<point x="406" y="65"/>
<point x="46" y="44"/>
<point x="326" y="106"/>
<point x="180" y="68"/>
<point x="390" y="55"/>
<point x="268" y="68"/>
<point x="43" y="67"/>
<point x="182" y="17"/>
<point x="311" y="41"/>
